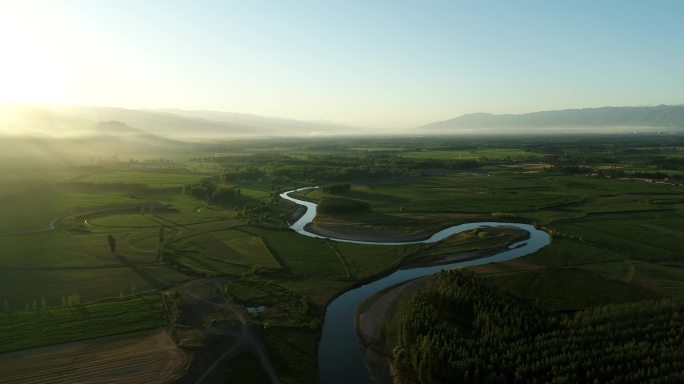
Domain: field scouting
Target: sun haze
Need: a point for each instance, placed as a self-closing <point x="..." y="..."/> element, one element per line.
<point x="384" y="64"/>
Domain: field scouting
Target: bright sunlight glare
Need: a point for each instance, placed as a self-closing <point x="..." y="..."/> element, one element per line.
<point x="34" y="66"/>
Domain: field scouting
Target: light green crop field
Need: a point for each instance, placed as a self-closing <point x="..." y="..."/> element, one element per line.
<point x="252" y="250"/>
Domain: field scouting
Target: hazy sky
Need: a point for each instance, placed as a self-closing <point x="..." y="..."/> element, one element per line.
<point x="372" y="63"/>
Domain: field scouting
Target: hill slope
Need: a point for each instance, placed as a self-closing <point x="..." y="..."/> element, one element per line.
<point x="604" y="119"/>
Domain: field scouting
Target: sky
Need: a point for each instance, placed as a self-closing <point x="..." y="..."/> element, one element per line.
<point x="386" y="64"/>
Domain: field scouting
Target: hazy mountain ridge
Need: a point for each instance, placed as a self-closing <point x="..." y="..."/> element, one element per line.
<point x="670" y="117"/>
<point x="75" y="121"/>
<point x="274" y="124"/>
<point x="171" y="126"/>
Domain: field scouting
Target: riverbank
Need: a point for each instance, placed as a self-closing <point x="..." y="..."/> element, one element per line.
<point x="371" y="313"/>
<point x="369" y="321"/>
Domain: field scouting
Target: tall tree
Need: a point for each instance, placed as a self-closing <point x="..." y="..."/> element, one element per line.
<point x="160" y="243"/>
<point x="112" y="243"/>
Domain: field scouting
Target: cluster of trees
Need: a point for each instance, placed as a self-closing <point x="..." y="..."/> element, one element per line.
<point x="160" y="244"/>
<point x="71" y="300"/>
<point x="662" y="162"/>
<point x="35" y="305"/>
<point x="460" y="330"/>
<point x="111" y="242"/>
<point x="274" y="296"/>
<point x="342" y="205"/>
<point x="615" y="172"/>
<point x="336" y="188"/>
<point x="213" y="193"/>
<point x="225" y="196"/>
<point x="650" y="153"/>
<point x="254" y="212"/>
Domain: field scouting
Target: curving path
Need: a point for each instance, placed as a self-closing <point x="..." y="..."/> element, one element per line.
<point x="340" y="359"/>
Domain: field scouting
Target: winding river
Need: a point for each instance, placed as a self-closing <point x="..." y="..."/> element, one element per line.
<point x="340" y="359"/>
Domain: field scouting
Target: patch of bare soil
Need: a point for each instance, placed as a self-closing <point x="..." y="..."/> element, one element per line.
<point x="138" y="357"/>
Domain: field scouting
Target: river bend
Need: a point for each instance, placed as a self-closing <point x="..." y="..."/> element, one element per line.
<point x="340" y="359"/>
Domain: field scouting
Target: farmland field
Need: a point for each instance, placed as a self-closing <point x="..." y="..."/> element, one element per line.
<point x="218" y="219"/>
<point x="138" y="357"/>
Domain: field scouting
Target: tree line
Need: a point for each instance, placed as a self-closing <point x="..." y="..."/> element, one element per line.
<point x="283" y="170"/>
<point x="615" y="172"/>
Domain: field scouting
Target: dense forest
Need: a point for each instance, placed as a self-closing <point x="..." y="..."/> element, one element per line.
<point x="459" y="329"/>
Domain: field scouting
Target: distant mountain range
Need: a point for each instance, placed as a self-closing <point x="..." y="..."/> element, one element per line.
<point x="171" y="127"/>
<point x="64" y="122"/>
<point x="605" y="119"/>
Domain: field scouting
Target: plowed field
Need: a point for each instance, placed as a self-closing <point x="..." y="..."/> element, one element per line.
<point x="139" y="357"/>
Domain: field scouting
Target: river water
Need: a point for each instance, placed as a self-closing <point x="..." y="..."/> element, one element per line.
<point x="340" y="357"/>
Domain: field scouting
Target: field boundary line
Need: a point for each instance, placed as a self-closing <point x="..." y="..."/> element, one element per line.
<point x="339" y="256"/>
